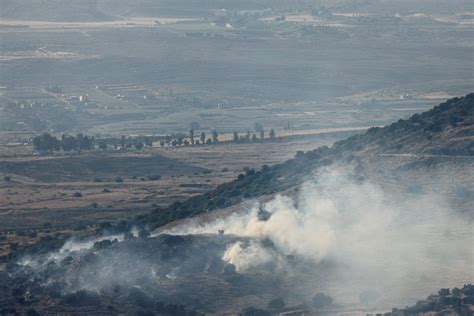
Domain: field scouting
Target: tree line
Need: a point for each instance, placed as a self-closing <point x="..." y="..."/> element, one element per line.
<point x="181" y="139"/>
<point x="201" y="139"/>
<point x="246" y="138"/>
<point x="48" y="143"/>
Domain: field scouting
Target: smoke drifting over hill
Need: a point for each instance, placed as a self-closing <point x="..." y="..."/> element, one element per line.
<point x="373" y="236"/>
<point x="379" y="240"/>
<point x="358" y="239"/>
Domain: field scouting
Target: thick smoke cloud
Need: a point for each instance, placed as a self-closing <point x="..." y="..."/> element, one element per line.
<point x="357" y="240"/>
<point x="383" y="241"/>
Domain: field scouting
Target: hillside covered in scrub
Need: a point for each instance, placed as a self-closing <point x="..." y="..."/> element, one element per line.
<point x="310" y="241"/>
<point x="445" y="130"/>
<point x="457" y="301"/>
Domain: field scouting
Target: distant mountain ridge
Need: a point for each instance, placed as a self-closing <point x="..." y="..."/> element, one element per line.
<point x="445" y="130"/>
<point x="53" y="10"/>
<point x="106" y="10"/>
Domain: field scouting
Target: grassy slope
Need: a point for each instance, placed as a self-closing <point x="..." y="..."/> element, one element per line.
<point x="447" y="129"/>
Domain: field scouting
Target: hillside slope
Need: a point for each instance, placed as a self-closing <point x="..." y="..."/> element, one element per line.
<point x="119" y="269"/>
<point x="446" y="130"/>
<point x="457" y="301"/>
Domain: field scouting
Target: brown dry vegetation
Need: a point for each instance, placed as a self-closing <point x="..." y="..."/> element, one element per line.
<point x="42" y="189"/>
<point x="50" y="208"/>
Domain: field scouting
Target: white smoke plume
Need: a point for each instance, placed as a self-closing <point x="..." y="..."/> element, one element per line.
<point x="378" y="239"/>
<point x="247" y="257"/>
<point x="339" y="235"/>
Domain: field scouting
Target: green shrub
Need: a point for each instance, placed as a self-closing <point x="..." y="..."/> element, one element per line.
<point x="77" y="194"/>
<point x="299" y="154"/>
<point x="143" y="234"/>
<point x="128" y="236"/>
<point x="253" y="311"/>
<point x="81" y="298"/>
<point x="322" y="300"/>
<point x="276" y="303"/>
<point x="154" y="177"/>
<point x="79" y="227"/>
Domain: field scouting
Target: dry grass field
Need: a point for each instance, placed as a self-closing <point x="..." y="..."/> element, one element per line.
<point x="33" y="207"/>
<point x="83" y="188"/>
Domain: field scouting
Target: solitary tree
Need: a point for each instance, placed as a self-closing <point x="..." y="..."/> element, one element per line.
<point x="272" y="135"/>
<point x="138" y="145"/>
<point x="215" y="136"/>
<point x="122" y="141"/>
<point x="262" y="135"/>
<point x="203" y="138"/>
<point x="148" y="142"/>
<point x="179" y="140"/>
<point x="254" y="138"/>
<point x="191" y="136"/>
<point x="247" y="135"/>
